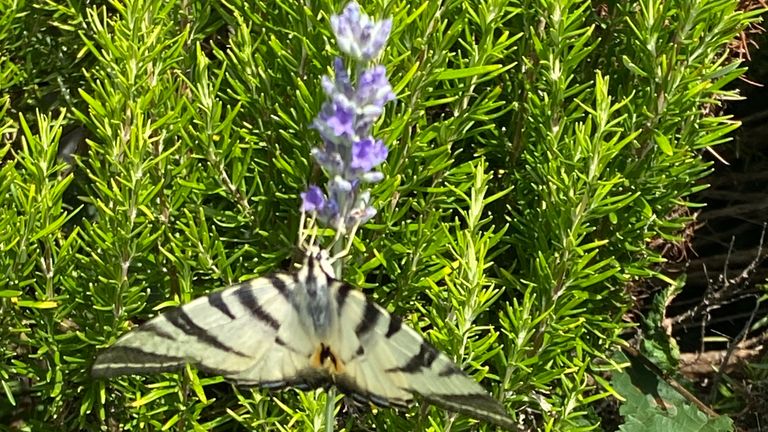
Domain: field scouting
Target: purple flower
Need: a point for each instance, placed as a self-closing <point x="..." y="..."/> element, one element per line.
<point x="374" y="88"/>
<point x="358" y="35"/>
<point x="341" y="84"/>
<point x="367" y="101"/>
<point x="336" y="119"/>
<point x="371" y="177"/>
<point x="341" y="187"/>
<point x="367" y="154"/>
<point x="361" y="211"/>
<point x="330" y="213"/>
<point x="326" y="209"/>
<point x="372" y="93"/>
<point x="361" y="216"/>
<point x="313" y="199"/>
<point x="329" y="158"/>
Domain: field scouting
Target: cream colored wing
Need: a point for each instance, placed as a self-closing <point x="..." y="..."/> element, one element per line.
<point x="248" y="333"/>
<point x="388" y="363"/>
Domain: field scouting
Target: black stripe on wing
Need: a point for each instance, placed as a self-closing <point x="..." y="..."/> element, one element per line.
<point x="395" y="323"/>
<point x="306" y="379"/>
<point x="478" y="405"/>
<point x="449" y="370"/>
<point x="181" y="320"/>
<point x="362" y="396"/>
<point x="217" y="301"/>
<point x="124" y="360"/>
<point x="281" y="286"/>
<point x="421" y="360"/>
<point x="371" y="314"/>
<point x="156" y="330"/>
<point x="127" y="360"/>
<point x="248" y="299"/>
<point x="341" y="295"/>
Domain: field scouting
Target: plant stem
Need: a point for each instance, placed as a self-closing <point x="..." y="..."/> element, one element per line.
<point x="330" y="401"/>
<point x="330" y="405"/>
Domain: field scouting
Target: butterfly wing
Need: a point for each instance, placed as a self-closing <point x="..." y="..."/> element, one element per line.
<point x="389" y="363"/>
<point x="256" y="334"/>
<point x="248" y="333"/>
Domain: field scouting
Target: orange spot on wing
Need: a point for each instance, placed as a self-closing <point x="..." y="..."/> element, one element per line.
<point x="325" y="358"/>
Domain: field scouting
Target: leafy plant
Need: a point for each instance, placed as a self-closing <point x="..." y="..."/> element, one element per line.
<point x="538" y="148"/>
<point x="663" y="410"/>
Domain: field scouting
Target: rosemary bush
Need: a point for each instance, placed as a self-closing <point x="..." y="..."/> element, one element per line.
<point x="153" y="151"/>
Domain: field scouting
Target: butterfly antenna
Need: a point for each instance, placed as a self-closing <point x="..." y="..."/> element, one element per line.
<point x="308" y="234"/>
<point x="348" y="246"/>
<point x="336" y="236"/>
<point x="312" y="236"/>
<point x="302" y="230"/>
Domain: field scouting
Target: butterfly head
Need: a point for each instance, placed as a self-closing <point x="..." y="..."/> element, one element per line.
<point x="320" y="259"/>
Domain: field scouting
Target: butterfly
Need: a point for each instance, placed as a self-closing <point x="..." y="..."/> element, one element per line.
<point x="302" y="329"/>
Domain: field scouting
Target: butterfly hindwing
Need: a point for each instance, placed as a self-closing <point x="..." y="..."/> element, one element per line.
<point x="234" y="333"/>
<point x="389" y="363"/>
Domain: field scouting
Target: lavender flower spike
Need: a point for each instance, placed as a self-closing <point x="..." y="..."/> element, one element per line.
<point x="358" y="35"/>
<point x="354" y="102"/>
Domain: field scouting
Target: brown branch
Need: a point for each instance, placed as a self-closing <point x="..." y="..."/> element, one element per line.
<point x="729" y="352"/>
<point x="726" y="318"/>
<point x="697" y="278"/>
<point x="725" y="289"/>
<point x="702" y="364"/>
<point x="736" y="210"/>
<point x="740" y="178"/>
<point x="729" y="195"/>
<point x="736" y="258"/>
<point x="715" y="238"/>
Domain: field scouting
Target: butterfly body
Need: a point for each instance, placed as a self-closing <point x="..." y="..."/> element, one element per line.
<point x="301" y="329"/>
<point x="313" y="297"/>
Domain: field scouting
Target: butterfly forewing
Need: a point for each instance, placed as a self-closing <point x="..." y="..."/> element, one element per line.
<point x="230" y="333"/>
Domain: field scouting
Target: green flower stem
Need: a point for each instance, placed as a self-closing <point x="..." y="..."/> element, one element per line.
<point x="330" y="401"/>
<point x="330" y="406"/>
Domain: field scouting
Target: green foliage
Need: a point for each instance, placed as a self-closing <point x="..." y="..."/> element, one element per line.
<point x="658" y="344"/>
<point x="538" y="147"/>
<point x="662" y="410"/>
